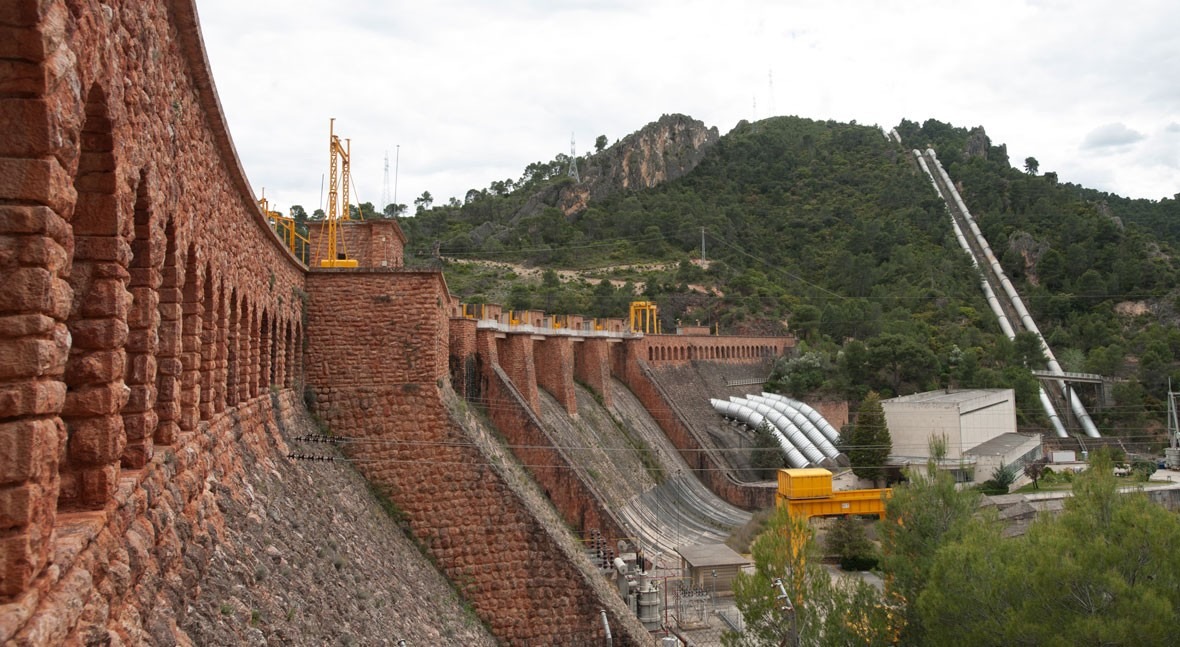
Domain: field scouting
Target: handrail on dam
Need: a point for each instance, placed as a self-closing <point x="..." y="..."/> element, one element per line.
<point x="499" y="326"/>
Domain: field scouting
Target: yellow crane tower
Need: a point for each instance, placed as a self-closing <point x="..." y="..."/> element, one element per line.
<point x="643" y="317"/>
<point x="337" y="255"/>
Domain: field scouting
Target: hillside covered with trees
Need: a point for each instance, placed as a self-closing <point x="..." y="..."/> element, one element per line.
<point x="830" y="230"/>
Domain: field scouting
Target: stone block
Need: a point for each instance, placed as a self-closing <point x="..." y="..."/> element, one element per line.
<point x="96" y="214"/>
<point x="171" y="366"/>
<point x="137" y="453"/>
<point x="22" y="448"/>
<point x="95" y="441"/>
<point x="97" y="485"/>
<point x="40" y="181"/>
<point x="105" y="298"/>
<point x="141" y="369"/>
<point x="18" y="504"/>
<point x="23" y="325"/>
<point x="18" y="561"/>
<point x="27" y="126"/>
<point x="31" y="357"/>
<point x="142" y="398"/>
<point x="110" y="249"/>
<point x="96" y="367"/>
<point x="166" y="433"/>
<point x="33" y="220"/>
<point x="97" y="400"/>
<point x="32" y="398"/>
<point x="99" y="334"/>
<point x="139" y="426"/>
<point x="26" y="290"/>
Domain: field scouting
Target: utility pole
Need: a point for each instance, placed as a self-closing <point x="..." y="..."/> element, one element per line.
<point x="702" y="246"/>
<point x="1172" y="454"/>
<point x="792" y="637"/>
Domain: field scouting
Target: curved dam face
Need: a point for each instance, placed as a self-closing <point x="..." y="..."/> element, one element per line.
<point x="641" y="476"/>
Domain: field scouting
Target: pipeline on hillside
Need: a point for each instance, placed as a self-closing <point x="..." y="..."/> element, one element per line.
<point x="951" y="196"/>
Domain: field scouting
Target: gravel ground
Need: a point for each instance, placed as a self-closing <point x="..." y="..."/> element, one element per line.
<point x="310" y="557"/>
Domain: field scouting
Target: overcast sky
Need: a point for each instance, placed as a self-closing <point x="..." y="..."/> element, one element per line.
<point x="460" y="93"/>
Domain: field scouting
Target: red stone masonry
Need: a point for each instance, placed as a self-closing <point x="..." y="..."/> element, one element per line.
<point x="659" y="349"/>
<point x="555" y="370"/>
<point x="141" y="283"/>
<point x="377" y="363"/>
<point x="372" y="243"/>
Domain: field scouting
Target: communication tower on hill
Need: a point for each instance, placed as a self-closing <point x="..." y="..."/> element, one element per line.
<point x="573" y="172"/>
<point x="385" y="186"/>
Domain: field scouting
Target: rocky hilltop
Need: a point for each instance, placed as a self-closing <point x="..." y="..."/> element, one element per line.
<point x="661" y="151"/>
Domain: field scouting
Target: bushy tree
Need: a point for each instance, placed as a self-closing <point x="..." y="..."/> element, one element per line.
<point x="923" y="514"/>
<point x="847" y="540"/>
<point x="1106" y="572"/>
<point x="767" y="455"/>
<point x="869" y="444"/>
<point x="820" y="612"/>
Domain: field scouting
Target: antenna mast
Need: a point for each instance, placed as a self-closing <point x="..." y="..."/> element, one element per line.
<point x="397" y="159"/>
<point x="385" y="185"/>
<point x="573" y="161"/>
<point x="770" y="89"/>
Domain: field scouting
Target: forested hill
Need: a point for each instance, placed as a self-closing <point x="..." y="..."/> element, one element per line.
<point x="831" y="229"/>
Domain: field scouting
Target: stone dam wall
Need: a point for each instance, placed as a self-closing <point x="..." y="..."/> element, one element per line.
<point x="153" y="330"/>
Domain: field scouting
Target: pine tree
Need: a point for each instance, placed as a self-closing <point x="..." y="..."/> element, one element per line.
<point x="767" y="456"/>
<point x="869" y="444"/>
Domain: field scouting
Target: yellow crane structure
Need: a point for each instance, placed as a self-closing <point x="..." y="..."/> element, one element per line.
<point x="643" y="317"/>
<point x="284" y="227"/>
<point x="337" y="255"/>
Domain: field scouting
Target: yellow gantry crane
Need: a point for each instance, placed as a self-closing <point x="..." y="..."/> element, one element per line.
<point x="337" y="255"/>
<point x="643" y="317"/>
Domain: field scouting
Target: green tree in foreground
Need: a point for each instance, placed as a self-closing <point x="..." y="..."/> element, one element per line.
<point x="844" y="612"/>
<point x="923" y="514"/>
<point x="869" y="443"/>
<point x="1106" y="572"/>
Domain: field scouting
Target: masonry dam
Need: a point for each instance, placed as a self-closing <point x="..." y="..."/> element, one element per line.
<point x="152" y="327"/>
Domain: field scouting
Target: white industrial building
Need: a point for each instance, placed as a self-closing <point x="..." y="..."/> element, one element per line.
<point x="979" y="426"/>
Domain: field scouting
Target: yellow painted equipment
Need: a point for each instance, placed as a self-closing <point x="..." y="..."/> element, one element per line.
<point x="284" y="228"/>
<point x="474" y="310"/>
<point x="643" y="318"/>
<point x="336" y="255"/>
<point x="808" y="493"/>
<point x="805" y="483"/>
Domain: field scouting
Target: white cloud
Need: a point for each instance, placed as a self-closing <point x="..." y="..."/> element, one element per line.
<point x="1115" y="136"/>
<point x="473" y="92"/>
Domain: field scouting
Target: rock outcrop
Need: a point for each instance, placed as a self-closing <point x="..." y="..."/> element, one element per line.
<point x="661" y="151"/>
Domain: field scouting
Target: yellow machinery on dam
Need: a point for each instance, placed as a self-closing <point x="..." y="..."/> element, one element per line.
<point x="807" y="492"/>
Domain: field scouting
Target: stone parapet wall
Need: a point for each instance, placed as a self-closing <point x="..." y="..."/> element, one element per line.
<point x="674" y="349"/>
<point x="144" y="291"/>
